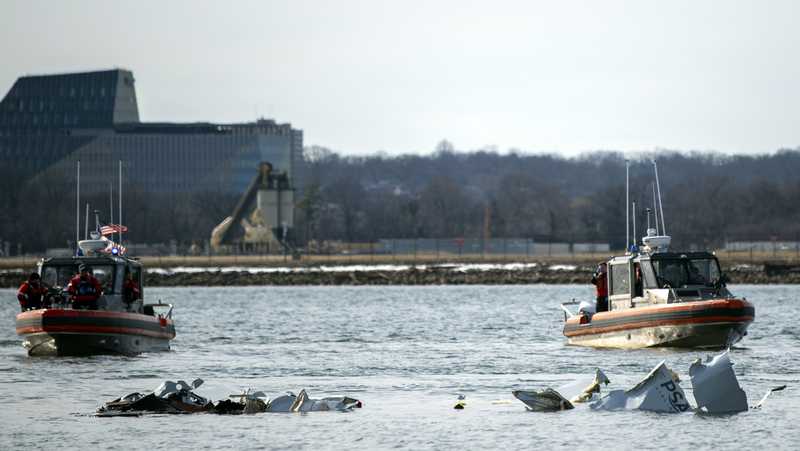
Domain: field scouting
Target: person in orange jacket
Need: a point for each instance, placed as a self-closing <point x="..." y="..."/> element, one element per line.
<point x="84" y="289"/>
<point x="600" y="280"/>
<point x="31" y="293"/>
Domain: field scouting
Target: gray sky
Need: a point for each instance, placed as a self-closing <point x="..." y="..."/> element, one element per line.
<point x="364" y="76"/>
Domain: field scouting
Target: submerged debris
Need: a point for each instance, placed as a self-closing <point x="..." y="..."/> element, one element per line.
<point x="302" y="403"/>
<point x="716" y="389"/>
<point x="660" y="391"/>
<point x="549" y="400"/>
<point x="766" y="395"/>
<point x="169" y="397"/>
<point x="461" y="404"/>
<point x="178" y="398"/>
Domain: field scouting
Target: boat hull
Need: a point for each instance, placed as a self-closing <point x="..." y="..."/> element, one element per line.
<point x="712" y="324"/>
<point x="84" y="332"/>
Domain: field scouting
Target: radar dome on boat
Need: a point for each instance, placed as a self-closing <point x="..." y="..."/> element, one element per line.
<point x="91" y="246"/>
<point x="656" y="243"/>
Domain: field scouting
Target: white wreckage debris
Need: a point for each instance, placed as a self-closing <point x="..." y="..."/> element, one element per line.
<point x="660" y="391"/>
<point x="169" y="397"/>
<point x="178" y="398"/>
<point x="715" y="387"/>
<point x="767" y="394"/>
<point x="290" y="403"/>
<point x="549" y="400"/>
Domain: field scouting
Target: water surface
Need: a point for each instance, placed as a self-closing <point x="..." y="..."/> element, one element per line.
<point x="406" y="352"/>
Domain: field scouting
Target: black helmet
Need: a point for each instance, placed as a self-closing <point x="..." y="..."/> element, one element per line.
<point x="83" y="267"/>
<point x="34" y="276"/>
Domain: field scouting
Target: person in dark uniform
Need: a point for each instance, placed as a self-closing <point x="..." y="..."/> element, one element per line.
<point x="638" y="285"/>
<point x="84" y="289"/>
<point x="31" y="293"/>
<point x="130" y="289"/>
<point x="600" y="281"/>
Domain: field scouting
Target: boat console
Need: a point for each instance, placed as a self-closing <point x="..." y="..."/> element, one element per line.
<point x="110" y="271"/>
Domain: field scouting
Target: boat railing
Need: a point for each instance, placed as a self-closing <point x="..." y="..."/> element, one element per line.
<point x="150" y="307"/>
<point x="567" y="313"/>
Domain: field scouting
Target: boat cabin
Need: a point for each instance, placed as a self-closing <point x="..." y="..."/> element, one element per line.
<point x="111" y="271"/>
<point x="663" y="278"/>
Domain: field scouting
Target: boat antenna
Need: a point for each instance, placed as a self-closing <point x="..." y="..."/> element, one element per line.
<point x="78" y="208"/>
<point x="627" y="202"/>
<point x="660" y="203"/>
<point x="634" y="225"/>
<point x="86" y="223"/>
<point x="111" y="207"/>
<point x="97" y="221"/>
<point x="648" y="211"/>
<point x="655" y="213"/>
<point x="120" y="203"/>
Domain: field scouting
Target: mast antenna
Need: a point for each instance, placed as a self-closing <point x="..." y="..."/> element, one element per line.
<point x="655" y="211"/>
<point x="627" y="203"/>
<point x="86" y="224"/>
<point x="78" y="209"/>
<point x="111" y="206"/>
<point x="634" y="225"/>
<point x="660" y="203"/>
<point x="120" y="202"/>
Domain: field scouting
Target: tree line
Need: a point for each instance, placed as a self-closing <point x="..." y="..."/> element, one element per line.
<point x="707" y="198"/>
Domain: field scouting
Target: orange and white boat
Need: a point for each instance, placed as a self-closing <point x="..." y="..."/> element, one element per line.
<point x="669" y="303"/>
<point x="662" y="298"/>
<point x="117" y="326"/>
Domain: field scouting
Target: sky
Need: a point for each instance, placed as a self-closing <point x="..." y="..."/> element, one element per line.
<point x="362" y="77"/>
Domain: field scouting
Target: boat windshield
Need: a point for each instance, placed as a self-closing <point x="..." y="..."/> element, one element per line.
<point x="681" y="272"/>
<point x="60" y="275"/>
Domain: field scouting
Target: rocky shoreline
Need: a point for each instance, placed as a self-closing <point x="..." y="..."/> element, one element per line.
<point x="507" y="274"/>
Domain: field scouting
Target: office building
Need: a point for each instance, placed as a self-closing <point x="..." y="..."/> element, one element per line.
<point x="49" y="122"/>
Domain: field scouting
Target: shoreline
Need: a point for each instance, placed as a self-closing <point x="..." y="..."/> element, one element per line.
<point x="436" y="274"/>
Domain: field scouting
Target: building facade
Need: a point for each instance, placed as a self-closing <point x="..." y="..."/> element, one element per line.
<point x="49" y="122"/>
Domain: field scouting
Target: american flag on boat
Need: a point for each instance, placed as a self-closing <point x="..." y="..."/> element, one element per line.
<point x="111" y="229"/>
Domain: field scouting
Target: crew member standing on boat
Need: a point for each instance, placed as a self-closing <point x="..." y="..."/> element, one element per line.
<point x="130" y="289"/>
<point x="31" y="293"/>
<point x="84" y="289"/>
<point x="600" y="281"/>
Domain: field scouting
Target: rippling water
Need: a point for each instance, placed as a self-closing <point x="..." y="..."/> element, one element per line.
<point x="407" y="352"/>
